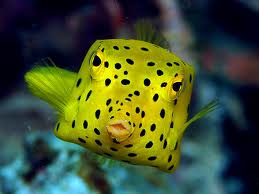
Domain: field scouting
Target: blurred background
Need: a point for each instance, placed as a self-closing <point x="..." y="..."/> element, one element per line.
<point x="219" y="37"/>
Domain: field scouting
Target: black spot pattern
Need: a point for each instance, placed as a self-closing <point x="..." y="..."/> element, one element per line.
<point x="155" y="97"/>
<point x="137" y="93"/>
<point x="169" y="158"/>
<point x="165" y="144"/>
<point x="57" y="126"/>
<point x="171" y="167"/>
<point x="137" y="109"/>
<point x="162" y="113"/>
<point x="150" y="64"/>
<point x="175" y="101"/>
<point x="110" y="109"/>
<point x="113" y="149"/>
<point x="176" y="63"/>
<point x="97" y="61"/>
<point x="108" y="102"/>
<point x="73" y="124"/>
<point x="164" y="84"/>
<point x="176" y="75"/>
<point x="88" y="95"/>
<point x="102" y="50"/>
<point x="125" y="72"/>
<point x="81" y="140"/>
<point x="107" y="82"/>
<point x="127" y="113"/>
<point x="117" y="65"/>
<point x="176" y="145"/>
<point x="98" y="142"/>
<point x="79" y="97"/>
<point x="169" y="64"/>
<point x="106" y="64"/>
<point x="130" y="95"/>
<point x="85" y="124"/>
<point x="159" y="72"/>
<point x="126" y="47"/>
<point x="128" y="146"/>
<point x="172" y="124"/>
<point x="190" y="79"/>
<point x="146" y="82"/>
<point x="151" y="158"/>
<point x="97" y="132"/>
<point x="149" y="144"/>
<point x="142" y="133"/>
<point x="125" y="82"/>
<point x="97" y="113"/>
<point x="128" y="99"/>
<point x="161" y="137"/>
<point x="144" y="49"/>
<point x="132" y="154"/>
<point x="78" y="82"/>
<point x="142" y="114"/>
<point x="115" y="76"/>
<point x="140" y="125"/>
<point x="153" y="127"/>
<point x="130" y="61"/>
<point x="115" y="47"/>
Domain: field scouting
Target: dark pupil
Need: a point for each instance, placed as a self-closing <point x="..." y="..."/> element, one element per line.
<point x="97" y="61"/>
<point x="177" y="86"/>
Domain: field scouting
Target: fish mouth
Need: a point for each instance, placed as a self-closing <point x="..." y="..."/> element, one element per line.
<point x="120" y="130"/>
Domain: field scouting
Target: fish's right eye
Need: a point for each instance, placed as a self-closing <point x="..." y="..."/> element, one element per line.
<point x="97" y="61"/>
<point x="97" y="65"/>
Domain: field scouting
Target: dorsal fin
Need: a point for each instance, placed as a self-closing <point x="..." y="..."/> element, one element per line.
<point x="146" y="31"/>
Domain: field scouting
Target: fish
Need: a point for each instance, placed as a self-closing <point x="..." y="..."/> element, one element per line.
<point x="128" y="102"/>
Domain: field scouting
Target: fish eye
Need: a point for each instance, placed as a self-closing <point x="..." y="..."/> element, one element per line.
<point x="97" y="61"/>
<point x="97" y="65"/>
<point x="177" y="86"/>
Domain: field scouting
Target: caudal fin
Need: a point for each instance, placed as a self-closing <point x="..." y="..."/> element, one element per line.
<point x="51" y="84"/>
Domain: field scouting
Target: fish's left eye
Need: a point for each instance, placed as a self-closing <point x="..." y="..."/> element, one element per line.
<point x="97" y="61"/>
<point x="177" y="86"/>
<point x="97" y="65"/>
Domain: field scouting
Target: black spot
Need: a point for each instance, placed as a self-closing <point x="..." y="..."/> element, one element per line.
<point x="136" y="93"/>
<point x="97" y="113"/>
<point x="73" y="124"/>
<point x="129" y="123"/>
<point x="79" y="97"/>
<point x="176" y="63"/>
<point x="116" y="48"/>
<point x="121" y="104"/>
<point x="78" y="82"/>
<point x="108" y="102"/>
<point x="114" y="149"/>
<point x="151" y="158"/>
<point x="144" y="49"/>
<point x="134" y="125"/>
<point x="97" y="132"/>
<point x="172" y="125"/>
<point x="106" y="64"/>
<point x="128" y="99"/>
<point x="118" y="109"/>
<point x="146" y="82"/>
<point x="88" y="95"/>
<point x="175" y="101"/>
<point x="97" y="61"/>
<point x="107" y="82"/>
<point x="162" y="113"/>
<point x="169" y="64"/>
<point x="165" y="144"/>
<point x="125" y="72"/>
<point x="110" y="109"/>
<point x="81" y="140"/>
<point x="132" y="154"/>
<point x="98" y="142"/>
<point x="159" y="72"/>
<point x="117" y="101"/>
<point x="102" y="50"/>
<point x="161" y="137"/>
<point x="127" y="113"/>
<point x="117" y="65"/>
<point x="111" y="117"/>
<point x="142" y="114"/>
<point x="130" y="61"/>
<point x="137" y="109"/>
<point x="126" y="47"/>
<point x="130" y="95"/>
<point x="115" y="141"/>
<point x="115" y="76"/>
<point x="190" y="78"/>
<point x="107" y="154"/>
<point x="169" y="158"/>
<point x="149" y="144"/>
<point x="128" y="146"/>
<point x="177" y="86"/>
<point x="57" y="126"/>
<point x="171" y="167"/>
<point x="142" y="133"/>
<point x="188" y="108"/>
<point x="176" y="145"/>
<point x="140" y="125"/>
<point x="85" y="124"/>
<point x="164" y="84"/>
<point x="155" y="97"/>
<point x="125" y="82"/>
<point x="153" y="127"/>
<point x="150" y="64"/>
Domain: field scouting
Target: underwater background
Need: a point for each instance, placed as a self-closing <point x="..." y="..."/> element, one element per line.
<point x="219" y="153"/>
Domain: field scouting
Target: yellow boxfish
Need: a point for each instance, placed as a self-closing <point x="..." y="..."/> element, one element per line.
<point x="129" y="101"/>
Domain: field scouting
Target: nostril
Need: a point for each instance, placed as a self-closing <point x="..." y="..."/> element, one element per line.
<point x="119" y="129"/>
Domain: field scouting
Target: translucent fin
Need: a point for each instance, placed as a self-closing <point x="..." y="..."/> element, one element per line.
<point x="146" y="31"/>
<point x="203" y="112"/>
<point x="51" y="84"/>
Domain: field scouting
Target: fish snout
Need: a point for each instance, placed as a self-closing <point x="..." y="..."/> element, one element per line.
<point x="119" y="130"/>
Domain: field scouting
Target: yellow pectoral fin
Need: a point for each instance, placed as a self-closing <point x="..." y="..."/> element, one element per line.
<point x="203" y="112"/>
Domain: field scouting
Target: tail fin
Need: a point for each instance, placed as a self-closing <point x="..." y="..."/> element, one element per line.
<point x="51" y="84"/>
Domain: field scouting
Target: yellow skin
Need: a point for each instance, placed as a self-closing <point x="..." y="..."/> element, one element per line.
<point x="111" y="108"/>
